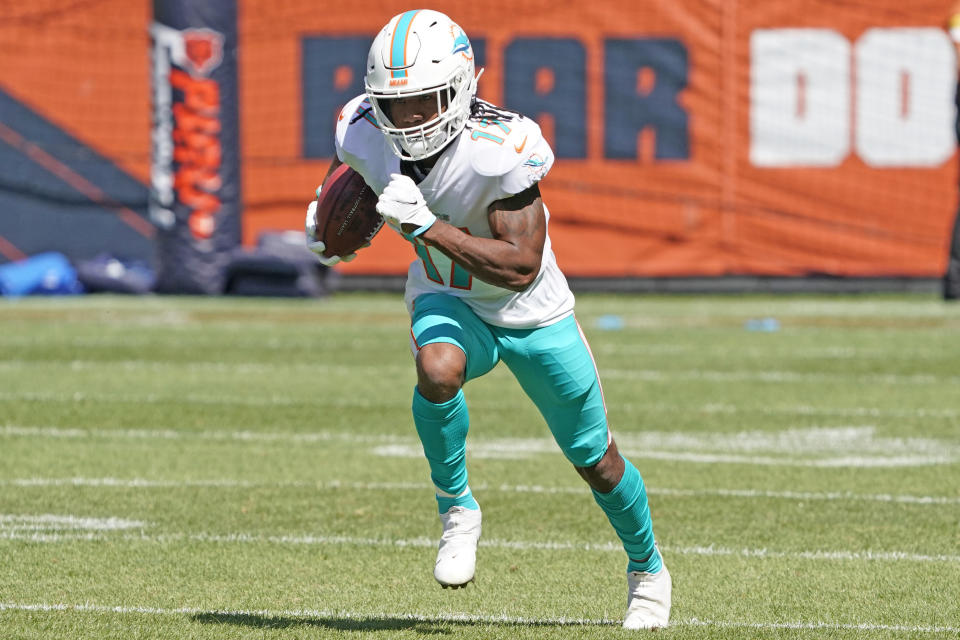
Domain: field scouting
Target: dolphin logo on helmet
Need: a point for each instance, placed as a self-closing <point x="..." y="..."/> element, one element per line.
<point x="461" y="44"/>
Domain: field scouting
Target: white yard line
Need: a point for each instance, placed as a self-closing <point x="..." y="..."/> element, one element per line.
<point x="808" y="410"/>
<point x="650" y="375"/>
<point x="309" y="615"/>
<point x="828" y="352"/>
<point x="213" y="366"/>
<point x="808" y="495"/>
<point x="789" y="377"/>
<point x="841" y="446"/>
<point x="274" y="400"/>
<point x="47" y="521"/>
<point x="173" y="434"/>
<point x="226" y="483"/>
<point x="861" y="446"/>
<point x="526" y="545"/>
<point x="833" y="446"/>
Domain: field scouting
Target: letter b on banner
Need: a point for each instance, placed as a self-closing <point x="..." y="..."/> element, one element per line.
<point x="195" y="164"/>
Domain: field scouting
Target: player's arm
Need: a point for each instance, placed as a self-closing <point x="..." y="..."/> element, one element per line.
<point x="511" y="259"/>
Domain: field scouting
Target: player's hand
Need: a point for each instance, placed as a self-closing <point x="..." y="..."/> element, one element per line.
<point x="315" y="245"/>
<point x="402" y="203"/>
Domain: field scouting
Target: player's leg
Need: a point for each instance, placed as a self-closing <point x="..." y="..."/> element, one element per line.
<point x="556" y="369"/>
<point x="451" y="345"/>
<point x="554" y="366"/>
<point x="619" y="490"/>
<point x="442" y="420"/>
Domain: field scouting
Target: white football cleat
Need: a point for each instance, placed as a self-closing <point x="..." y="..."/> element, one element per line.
<point x="457" y="556"/>
<point x="648" y="600"/>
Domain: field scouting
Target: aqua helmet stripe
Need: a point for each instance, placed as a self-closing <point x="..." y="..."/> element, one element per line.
<point x="398" y="46"/>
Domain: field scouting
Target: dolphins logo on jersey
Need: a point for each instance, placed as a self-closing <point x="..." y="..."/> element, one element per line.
<point x="534" y="161"/>
<point x="536" y="166"/>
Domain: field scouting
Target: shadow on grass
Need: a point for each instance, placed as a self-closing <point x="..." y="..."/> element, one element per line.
<point x="360" y="623"/>
<point x="326" y="622"/>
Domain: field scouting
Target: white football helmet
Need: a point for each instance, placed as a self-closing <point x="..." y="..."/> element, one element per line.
<point x="421" y="52"/>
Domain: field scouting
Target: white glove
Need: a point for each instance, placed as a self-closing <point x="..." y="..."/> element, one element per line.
<point x="317" y="246"/>
<point x="402" y="203"/>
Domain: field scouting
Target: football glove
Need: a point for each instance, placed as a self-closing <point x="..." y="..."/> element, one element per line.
<point x="315" y="245"/>
<point x="402" y="203"/>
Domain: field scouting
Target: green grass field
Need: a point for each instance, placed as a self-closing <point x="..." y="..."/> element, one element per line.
<point x="227" y="468"/>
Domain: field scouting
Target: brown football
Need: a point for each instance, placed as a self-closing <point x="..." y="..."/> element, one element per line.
<point x="347" y="215"/>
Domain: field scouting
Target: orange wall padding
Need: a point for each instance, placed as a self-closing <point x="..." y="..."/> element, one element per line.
<point x="85" y="66"/>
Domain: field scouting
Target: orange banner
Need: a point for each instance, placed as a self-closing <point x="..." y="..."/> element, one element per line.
<point x="693" y="137"/>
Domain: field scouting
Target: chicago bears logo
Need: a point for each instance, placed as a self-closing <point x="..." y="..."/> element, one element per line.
<point x="203" y="49"/>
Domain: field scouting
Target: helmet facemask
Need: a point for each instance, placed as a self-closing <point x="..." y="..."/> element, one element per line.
<point x="423" y="140"/>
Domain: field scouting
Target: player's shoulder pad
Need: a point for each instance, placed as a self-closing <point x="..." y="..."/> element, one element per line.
<point x="356" y="126"/>
<point x="514" y="151"/>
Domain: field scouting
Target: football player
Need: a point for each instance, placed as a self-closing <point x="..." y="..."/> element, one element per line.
<point x="458" y="179"/>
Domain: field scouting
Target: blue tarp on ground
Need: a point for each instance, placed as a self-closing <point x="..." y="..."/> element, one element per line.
<point x="45" y="273"/>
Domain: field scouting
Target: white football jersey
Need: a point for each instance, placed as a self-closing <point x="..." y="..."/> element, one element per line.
<point x="490" y="160"/>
